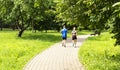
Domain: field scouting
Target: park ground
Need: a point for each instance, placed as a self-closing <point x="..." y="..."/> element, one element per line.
<point x="97" y="52"/>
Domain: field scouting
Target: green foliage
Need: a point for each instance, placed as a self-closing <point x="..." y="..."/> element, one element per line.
<point x="16" y="52"/>
<point x="99" y="53"/>
<point x="51" y="14"/>
<point x="91" y="14"/>
<point x="116" y="22"/>
<point x="24" y="12"/>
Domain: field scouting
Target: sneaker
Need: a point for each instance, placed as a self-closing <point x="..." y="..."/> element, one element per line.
<point x="73" y="45"/>
<point x="64" y="45"/>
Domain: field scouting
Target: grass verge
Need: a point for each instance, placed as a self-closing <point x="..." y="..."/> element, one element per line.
<point x="99" y="53"/>
<point x="16" y="52"/>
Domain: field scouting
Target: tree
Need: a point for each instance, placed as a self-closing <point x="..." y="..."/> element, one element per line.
<point x="93" y="14"/>
<point x="88" y="13"/>
<point x="4" y="10"/>
<point x="48" y="20"/>
<point x="116" y="22"/>
<point x="23" y="12"/>
<point x="1" y="24"/>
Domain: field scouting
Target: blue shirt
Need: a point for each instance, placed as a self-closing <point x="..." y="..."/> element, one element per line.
<point x="64" y="32"/>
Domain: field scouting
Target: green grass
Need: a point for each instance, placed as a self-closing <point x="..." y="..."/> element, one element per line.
<point x="99" y="53"/>
<point x="16" y="52"/>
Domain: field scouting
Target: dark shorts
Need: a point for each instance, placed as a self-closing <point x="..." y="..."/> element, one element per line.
<point x="64" y="38"/>
<point x="74" y="37"/>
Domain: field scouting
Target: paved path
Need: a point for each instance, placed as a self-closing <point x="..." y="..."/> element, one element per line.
<point x="58" y="57"/>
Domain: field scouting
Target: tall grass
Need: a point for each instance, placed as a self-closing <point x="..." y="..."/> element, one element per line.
<point x="16" y="52"/>
<point x="99" y="53"/>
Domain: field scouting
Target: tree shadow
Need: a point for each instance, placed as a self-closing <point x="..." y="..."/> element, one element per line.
<point x="43" y="37"/>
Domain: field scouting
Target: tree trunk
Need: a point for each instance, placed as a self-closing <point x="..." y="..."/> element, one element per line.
<point x="1" y="29"/>
<point x="20" y="33"/>
<point x="46" y="30"/>
<point x="35" y="30"/>
<point x="1" y="26"/>
<point x="58" y="29"/>
<point x="32" y="27"/>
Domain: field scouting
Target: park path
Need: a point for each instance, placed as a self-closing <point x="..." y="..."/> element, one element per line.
<point x="58" y="57"/>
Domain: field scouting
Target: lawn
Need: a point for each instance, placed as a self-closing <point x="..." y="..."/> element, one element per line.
<point x="16" y="52"/>
<point x="99" y="53"/>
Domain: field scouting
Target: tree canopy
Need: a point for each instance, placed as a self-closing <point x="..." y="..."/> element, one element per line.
<point x="24" y="12"/>
<point x="48" y="14"/>
<point x="93" y="14"/>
